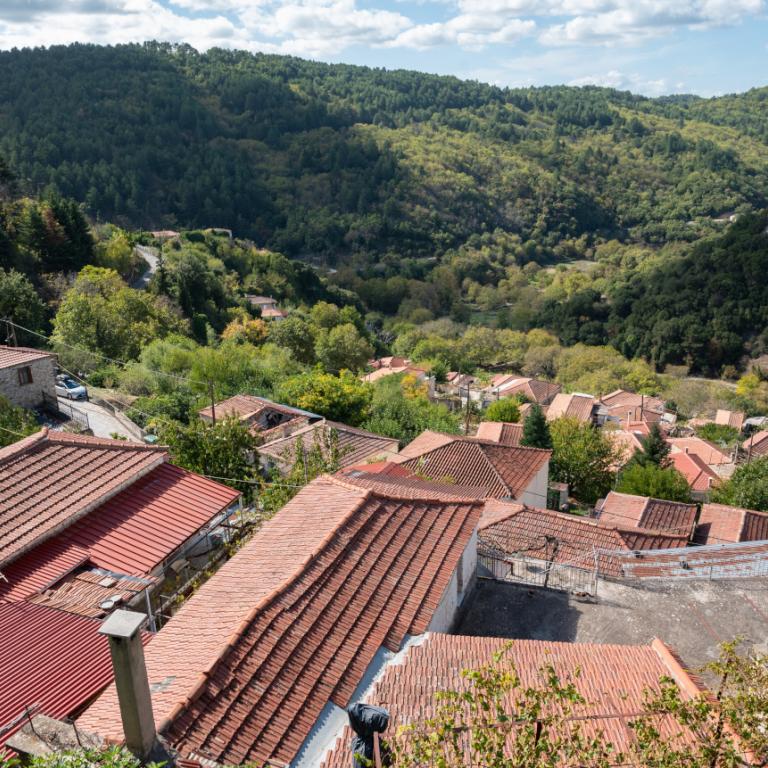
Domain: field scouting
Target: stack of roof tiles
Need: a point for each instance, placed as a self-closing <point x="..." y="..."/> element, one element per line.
<point x="628" y="511"/>
<point x="612" y="679"/>
<point x="500" y="471"/>
<point x="720" y="524"/>
<point x="352" y="445"/>
<point x="512" y="531"/>
<point x="292" y="622"/>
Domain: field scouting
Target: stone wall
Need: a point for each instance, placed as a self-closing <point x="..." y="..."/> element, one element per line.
<point x="29" y="395"/>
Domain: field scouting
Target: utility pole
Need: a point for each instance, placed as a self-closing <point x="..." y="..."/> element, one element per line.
<point x="213" y="402"/>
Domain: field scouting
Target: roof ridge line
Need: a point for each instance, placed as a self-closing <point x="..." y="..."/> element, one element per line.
<point x="496" y="471"/>
<point x="235" y="636"/>
<point x="11" y="450"/>
<point x="677" y="669"/>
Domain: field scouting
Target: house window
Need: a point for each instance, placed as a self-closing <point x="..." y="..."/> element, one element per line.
<point x="25" y="375"/>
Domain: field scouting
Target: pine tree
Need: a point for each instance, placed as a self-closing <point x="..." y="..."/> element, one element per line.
<point x="536" y="430"/>
<point x="655" y="449"/>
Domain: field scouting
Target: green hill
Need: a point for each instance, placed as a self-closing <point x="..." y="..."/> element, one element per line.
<point x="351" y="165"/>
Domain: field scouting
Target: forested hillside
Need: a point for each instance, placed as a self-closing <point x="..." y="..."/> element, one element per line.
<point x="347" y="164"/>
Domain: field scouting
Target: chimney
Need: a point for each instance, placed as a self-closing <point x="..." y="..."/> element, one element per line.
<point x="123" y="630"/>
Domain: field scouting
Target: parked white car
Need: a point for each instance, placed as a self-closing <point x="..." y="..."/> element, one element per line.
<point x="69" y="388"/>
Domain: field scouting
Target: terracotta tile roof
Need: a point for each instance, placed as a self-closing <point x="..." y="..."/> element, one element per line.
<point x="49" y="480"/>
<point x="253" y="409"/>
<point x="13" y="356"/>
<point x="425" y="442"/>
<point x="91" y="592"/>
<point x="503" y="471"/>
<point x="571" y="406"/>
<point x="693" y="468"/>
<point x="536" y="390"/>
<point x="267" y="312"/>
<point x="410" y="486"/>
<point x="725" y="560"/>
<point x="709" y="452"/>
<point x="612" y="679"/>
<point x="621" y="399"/>
<point x="354" y="445"/>
<point x="757" y="444"/>
<point x="502" y="432"/>
<point x="733" y="419"/>
<point x="719" y="523"/>
<point x="627" y="512"/>
<point x="294" y="619"/>
<point x="563" y="538"/>
<point x="131" y="533"/>
<point x="51" y="658"/>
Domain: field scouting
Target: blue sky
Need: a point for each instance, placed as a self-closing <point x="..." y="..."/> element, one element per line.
<point x="654" y="47"/>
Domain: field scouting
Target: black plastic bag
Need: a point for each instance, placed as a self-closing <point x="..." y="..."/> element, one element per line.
<point x="365" y="720"/>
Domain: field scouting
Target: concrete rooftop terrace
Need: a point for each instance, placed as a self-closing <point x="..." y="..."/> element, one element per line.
<point x="693" y="617"/>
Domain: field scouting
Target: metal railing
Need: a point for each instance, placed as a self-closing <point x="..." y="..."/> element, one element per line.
<point x="65" y="410"/>
<point x="569" y="577"/>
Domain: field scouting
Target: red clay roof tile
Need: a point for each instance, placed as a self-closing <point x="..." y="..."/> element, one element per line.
<point x="502" y="471"/>
<point x="719" y="524"/>
<point x="611" y="678"/>
<point x="13" y="356"/>
<point x="627" y="511"/>
<point x="509" y="530"/>
<point x="295" y="618"/>
<point x="502" y="432"/>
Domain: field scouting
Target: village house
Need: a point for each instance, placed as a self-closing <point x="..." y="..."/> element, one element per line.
<point x="390" y="366"/>
<point x="722" y="524"/>
<point x="575" y="406"/>
<point x="349" y="445"/>
<point x="502" y="432"/>
<point x="624" y="406"/>
<point x="711" y="454"/>
<point x="503" y="472"/>
<point x="88" y="525"/>
<point x="259" y="413"/>
<point x="516" y="542"/>
<point x="756" y="446"/>
<point x="631" y="512"/>
<point x="260" y="663"/>
<point x="531" y="390"/>
<point x="27" y="376"/>
<point x="733" y="419"/>
<point x="700" y="477"/>
<point x="267" y="306"/>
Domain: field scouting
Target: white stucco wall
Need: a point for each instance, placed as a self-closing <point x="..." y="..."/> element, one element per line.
<point x="445" y="615"/>
<point x="535" y="495"/>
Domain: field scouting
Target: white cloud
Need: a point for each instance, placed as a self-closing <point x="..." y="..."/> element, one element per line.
<point x="326" y="28"/>
<point x="627" y="82"/>
<point x="619" y="22"/>
<point x="470" y="31"/>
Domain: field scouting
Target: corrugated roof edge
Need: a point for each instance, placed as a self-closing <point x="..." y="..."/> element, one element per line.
<point x="71" y="439"/>
<point x="231" y="642"/>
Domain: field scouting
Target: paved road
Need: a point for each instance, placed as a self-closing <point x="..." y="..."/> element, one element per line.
<point x="102" y="421"/>
<point x="150" y="256"/>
